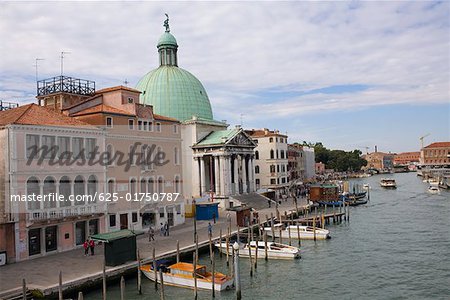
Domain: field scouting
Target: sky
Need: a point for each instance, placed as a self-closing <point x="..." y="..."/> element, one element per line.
<point x="349" y="74"/>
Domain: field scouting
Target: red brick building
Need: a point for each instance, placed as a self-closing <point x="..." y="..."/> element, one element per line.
<point x="436" y="154"/>
<point x="406" y="158"/>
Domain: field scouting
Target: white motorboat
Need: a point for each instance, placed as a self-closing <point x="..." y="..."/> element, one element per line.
<point x="182" y="275"/>
<point x="305" y="232"/>
<point x="433" y="189"/>
<point x="366" y="186"/>
<point x="274" y="250"/>
<point x="388" y="183"/>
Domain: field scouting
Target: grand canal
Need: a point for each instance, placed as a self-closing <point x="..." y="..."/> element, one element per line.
<point x="395" y="247"/>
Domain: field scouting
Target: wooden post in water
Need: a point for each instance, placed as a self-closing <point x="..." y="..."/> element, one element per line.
<point x="314" y="227"/>
<point x="161" y="278"/>
<point x="259" y="228"/>
<point x="237" y="236"/>
<point x="210" y="247"/>
<point x="178" y="251"/>
<point x="281" y="236"/>
<point x="80" y="295"/>
<point x="298" y="235"/>
<point x="122" y="288"/>
<point x="348" y="212"/>
<point x="213" y="276"/>
<point x="220" y="241"/>
<point x="104" y="278"/>
<point x="323" y="221"/>
<point x="139" y="278"/>
<point x="60" y="293"/>
<point x="265" y="246"/>
<point x="272" y="226"/>
<point x="194" y="274"/>
<point x="250" y="251"/>
<point x="155" y="269"/>
<point x="237" y="279"/>
<point x="196" y="247"/>
<point x="285" y="217"/>
<point x="24" y="289"/>
<point x="296" y="205"/>
<point x="289" y="231"/>
<point x="227" y="245"/>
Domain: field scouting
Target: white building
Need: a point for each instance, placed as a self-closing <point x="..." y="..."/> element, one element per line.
<point x="310" y="163"/>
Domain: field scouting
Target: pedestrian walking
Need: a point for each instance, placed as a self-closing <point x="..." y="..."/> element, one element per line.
<point x="92" y="246"/>
<point x="166" y="229"/>
<point x="151" y="234"/>
<point x="161" y="230"/>
<point x="86" y="247"/>
<point x="209" y="229"/>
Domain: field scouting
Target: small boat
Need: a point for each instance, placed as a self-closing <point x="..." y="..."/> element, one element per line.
<point x="306" y="232"/>
<point x="274" y="250"/>
<point x="182" y="275"/>
<point x="433" y="189"/>
<point x="366" y="186"/>
<point x="388" y="183"/>
<point x="433" y="182"/>
<point x="356" y="202"/>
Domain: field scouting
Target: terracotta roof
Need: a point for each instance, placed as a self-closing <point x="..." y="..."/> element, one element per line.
<point x="256" y="133"/>
<point x="164" y="118"/>
<point x="102" y="108"/>
<point x="116" y="88"/>
<point x="32" y="114"/>
<point x="439" y="145"/>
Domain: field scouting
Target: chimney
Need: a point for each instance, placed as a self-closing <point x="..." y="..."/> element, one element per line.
<point x="376" y="149"/>
<point x="266" y="131"/>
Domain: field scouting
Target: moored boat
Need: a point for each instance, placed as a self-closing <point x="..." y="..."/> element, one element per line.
<point x="182" y="275"/>
<point x="305" y="232"/>
<point x="433" y="189"/>
<point x="388" y="183"/>
<point x="274" y="250"/>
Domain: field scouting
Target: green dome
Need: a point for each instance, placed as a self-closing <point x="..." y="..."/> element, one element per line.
<point x="175" y="93"/>
<point x="167" y="39"/>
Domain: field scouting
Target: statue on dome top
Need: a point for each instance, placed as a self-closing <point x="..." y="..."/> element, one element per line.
<point x="166" y="23"/>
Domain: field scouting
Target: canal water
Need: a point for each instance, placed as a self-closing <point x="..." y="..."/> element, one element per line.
<point x="395" y="247"/>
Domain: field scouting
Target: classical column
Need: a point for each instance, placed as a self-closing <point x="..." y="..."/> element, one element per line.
<point x="244" y="174"/>
<point x="251" y="175"/>
<point x="236" y="174"/>
<point x="202" y="176"/>
<point x="228" y="171"/>
<point x="217" y="176"/>
<point x="222" y="171"/>
<point x="195" y="178"/>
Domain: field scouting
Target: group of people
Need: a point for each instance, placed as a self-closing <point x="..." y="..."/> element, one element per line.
<point x="164" y="231"/>
<point x="88" y="244"/>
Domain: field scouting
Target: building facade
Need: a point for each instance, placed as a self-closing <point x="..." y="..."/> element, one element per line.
<point x="379" y="161"/>
<point x="436" y="154"/>
<point x="310" y="162"/>
<point x="296" y="162"/>
<point x="144" y="182"/>
<point x="406" y="158"/>
<point x="271" y="160"/>
<point x="32" y="225"/>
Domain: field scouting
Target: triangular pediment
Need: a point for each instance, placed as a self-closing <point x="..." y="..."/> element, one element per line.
<point x="241" y="139"/>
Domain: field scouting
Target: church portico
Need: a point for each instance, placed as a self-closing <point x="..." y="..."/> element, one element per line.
<point x="224" y="165"/>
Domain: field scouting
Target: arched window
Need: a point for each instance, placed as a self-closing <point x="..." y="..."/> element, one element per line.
<point x="256" y="154"/>
<point x="33" y="188"/>
<point x="143" y="185"/>
<point x="78" y="189"/>
<point x="177" y="184"/>
<point x="277" y="153"/>
<point x="49" y="188"/>
<point x="270" y="140"/>
<point x="65" y="190"/>
<point x="160" y="185"/>
<point x="111" y="187"/>
<point x="92" y="188"/>
<point x="151" y="186"/>
<point x="272" y="168"/>
<point x="132" y="187"/>
<point x="272" y="154"/>
<point x="256" y="169"/>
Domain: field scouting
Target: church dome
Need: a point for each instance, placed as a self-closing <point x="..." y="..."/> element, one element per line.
<point x="173" y="91"/>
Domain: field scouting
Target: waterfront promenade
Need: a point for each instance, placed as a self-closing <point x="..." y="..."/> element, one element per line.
<point x="43" y="273"/>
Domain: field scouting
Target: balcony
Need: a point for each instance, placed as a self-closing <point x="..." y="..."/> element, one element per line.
<point x="58" y="213"/>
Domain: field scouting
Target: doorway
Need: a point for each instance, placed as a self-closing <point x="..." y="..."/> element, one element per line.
<point x="80" y="232"/>
<point x="123" y="221"/>
<point x="51" y="242"/>
<point x="34" y="241"/>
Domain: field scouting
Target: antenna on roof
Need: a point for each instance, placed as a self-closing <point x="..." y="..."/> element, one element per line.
<point x="36" y="66"/>
<point x="126" y="82"/>
<point x="62" y="60"/>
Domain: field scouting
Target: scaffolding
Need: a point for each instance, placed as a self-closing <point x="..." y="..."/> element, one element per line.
<point x="7" y="105"/>
<point x="65" y="84"/>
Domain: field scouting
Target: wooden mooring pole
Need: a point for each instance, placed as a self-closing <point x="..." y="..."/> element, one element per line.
<point x="213" y="276"/>
<point x="250" y="251"/>
<point x="24" y="289"/>
<point x="122" y="288"/>
<point x="194" y="273"/>
<point x="60" y="293"/>
<point x="298" y="235"/>
<point x="265" y="246"/>
<point x="161" y="278"/>
<point x="155" y="269"/>
<point x="80" y="295"/>
<point x="104" y="278"/>
<point x="139" y="274"/>
<point x="178" y="251"/>
<point x="220" y="241"/>
<point x="272" y="227"/>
